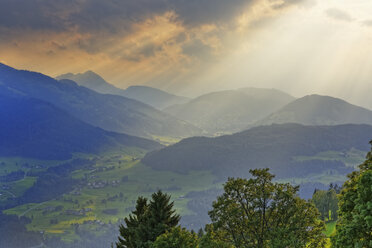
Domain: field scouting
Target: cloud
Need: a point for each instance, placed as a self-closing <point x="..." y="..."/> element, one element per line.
<point x="367" y="23"/>
<point x="111" y="15"/>
<point x="339" y="15"/>
<point x="116" y="16"/>
<point x="279" y="4"/>
<point x="159" y="38"/>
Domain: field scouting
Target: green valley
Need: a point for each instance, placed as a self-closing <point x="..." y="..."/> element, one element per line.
<point x="105" y="191"/>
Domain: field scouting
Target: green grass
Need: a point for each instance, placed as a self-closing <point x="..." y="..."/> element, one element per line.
<point x="166" y="140"/>
<point x="19" y="187"/>
<point x="350" y="158"/>
<point x="142" y="181"/>
<point x="10" y="164"/>
<point x="330" y="228"/>
<point x="324" y="178"/>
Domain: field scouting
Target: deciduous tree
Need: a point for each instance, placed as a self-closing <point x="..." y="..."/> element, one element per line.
<point x="176" y="238"/>
<point x="259" y="213"/>
<point x="354" y="228"/>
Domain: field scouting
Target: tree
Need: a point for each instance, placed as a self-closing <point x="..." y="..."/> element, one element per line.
<point x="130" y="235"/>
<point x="214" y="239"/>
<point x="259" y="213"/>
<point x="326" y="202"/>
<point x="148" y="221"/>
<point x="354" y="227"/>
<point x="176" y="237"/>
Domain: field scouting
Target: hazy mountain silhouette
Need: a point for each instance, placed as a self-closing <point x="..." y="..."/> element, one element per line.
<point x="273" y="146"/>
<point x="232" y="110"/>
<point x="154" y="97"/>
<point x="319" y="110"/>
<point x="110" y="112"/>
<point x="36" y="129"/>
<point x="151" y="96"/>
<point x="92" y="81"/>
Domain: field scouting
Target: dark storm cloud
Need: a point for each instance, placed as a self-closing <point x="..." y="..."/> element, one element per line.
<point x="195" y="12"/>
<point x="115" y="15"/>
<point x="109" y="15"/>
<point x="34" y="14"/>
<point x="286" y="3"/>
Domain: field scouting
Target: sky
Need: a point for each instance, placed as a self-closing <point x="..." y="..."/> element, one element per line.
<point x="191" y="47"/>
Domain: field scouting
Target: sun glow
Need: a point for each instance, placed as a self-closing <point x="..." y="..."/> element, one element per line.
<point x="304" y="51"/>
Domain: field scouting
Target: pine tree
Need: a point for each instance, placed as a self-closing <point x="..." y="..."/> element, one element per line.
<point x="129" y="234"/>
<point x="148" y="221"/>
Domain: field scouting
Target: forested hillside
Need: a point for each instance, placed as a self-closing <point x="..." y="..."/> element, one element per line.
<point x="283" y="148"/>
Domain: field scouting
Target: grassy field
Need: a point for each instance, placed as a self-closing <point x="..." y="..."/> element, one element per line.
<point x="108" y="192"/>
<point x="330" y="228"/>
<point x="8" y="164"/>
<point x="166" y="140"/>
<point x="350" y="158"/>
<point x="12" y="164"/>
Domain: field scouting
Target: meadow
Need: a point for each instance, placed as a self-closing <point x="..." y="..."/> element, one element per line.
<point x="107" y="191"/>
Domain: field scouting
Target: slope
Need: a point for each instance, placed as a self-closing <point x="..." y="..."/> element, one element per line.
<point x="279" y="147"/>
<point x="110" y="112"/>
<point x="232" y="110"/>
<point x="319" y="110"/>
<point x="151" y="96"/>
<point x="35" y="129"/>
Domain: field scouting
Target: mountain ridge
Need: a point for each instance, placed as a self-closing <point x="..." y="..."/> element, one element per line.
<point x="33" y="128"/>
<point x="110" y="112"/>
<point x="274" y="147"/>
<point x="319" y="110"/>
<point x="230" y="110"/>
<point x="152" y="96"/>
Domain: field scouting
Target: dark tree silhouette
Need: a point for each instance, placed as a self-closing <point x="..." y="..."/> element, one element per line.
<point x="148" y="221"/>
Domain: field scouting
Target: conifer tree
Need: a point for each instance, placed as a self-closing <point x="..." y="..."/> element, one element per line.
<point x="148" y="221"/>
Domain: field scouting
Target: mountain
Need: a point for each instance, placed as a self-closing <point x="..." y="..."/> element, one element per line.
<point x="151" y="96"/>
<point x="110" y="112"/>
<point x="290" y="150"/>
<point x="154" y="97"/>
<point x="93" y="81"/>
<point x="232" y="110"/>
<point x="35" y="129"/>
<point x="319" y="110"/>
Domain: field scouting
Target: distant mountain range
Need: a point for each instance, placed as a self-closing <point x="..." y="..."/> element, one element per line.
<point x="230" y="111"/>
<point x="319" y="110"/>
<point x="275" y="147"/>
<point x="35" y="129"/>
<point x="154" y="97"/>
<point x="110" y="112"/>
<point x="236" y="110"/>
<point x="151" y="96"/>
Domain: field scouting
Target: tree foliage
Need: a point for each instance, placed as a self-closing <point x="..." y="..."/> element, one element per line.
<point x="354" y="228"/>
<point x="148" y="221"/>
<point x="176" y="237"/>
<point x="259" y="213"/>
<point x="214" y="239"/>
<point x="327" y="203"/>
